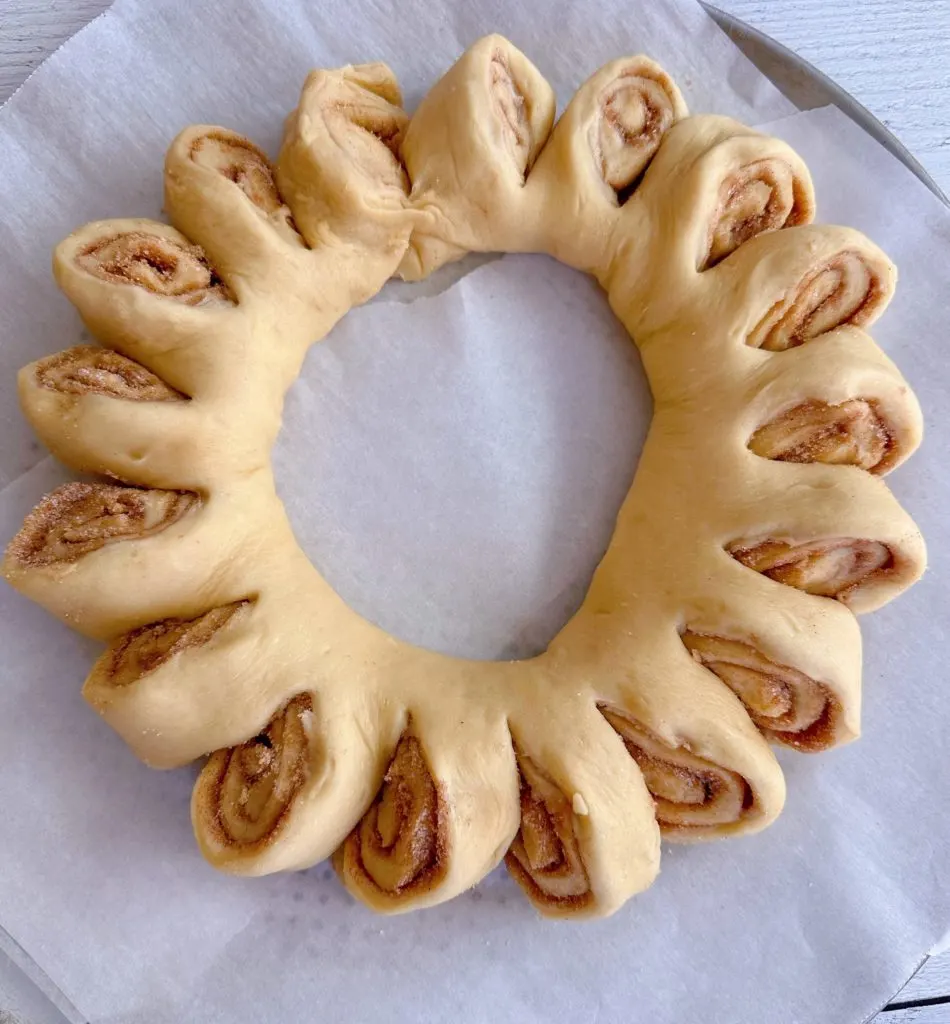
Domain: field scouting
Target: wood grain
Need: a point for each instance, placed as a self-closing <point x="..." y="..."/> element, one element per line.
<point x="939" y="1014"/>
<point x="30" y="30"/>
<point x="892" y="55"/>
<point x="932" y="981"/>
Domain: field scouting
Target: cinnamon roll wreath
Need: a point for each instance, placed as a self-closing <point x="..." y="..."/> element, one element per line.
<point x="722" y="617"/>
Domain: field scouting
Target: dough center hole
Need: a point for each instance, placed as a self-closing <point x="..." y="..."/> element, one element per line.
<point x="453" y="463"/>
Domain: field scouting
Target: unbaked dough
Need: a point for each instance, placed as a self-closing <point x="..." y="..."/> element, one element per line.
<point x="722" y="615"/>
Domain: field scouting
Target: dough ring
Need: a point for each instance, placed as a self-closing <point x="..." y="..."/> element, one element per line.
<point x="722" y="615"/>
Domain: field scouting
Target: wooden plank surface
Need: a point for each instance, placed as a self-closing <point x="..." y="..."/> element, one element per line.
<point x="930" y="982"/>
<point x="892" y="55"/>
<point x="30" y="30"/>
<point x="939" y="1014"/>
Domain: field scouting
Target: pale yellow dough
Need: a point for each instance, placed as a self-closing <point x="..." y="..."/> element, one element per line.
<point x="674" y="220"/>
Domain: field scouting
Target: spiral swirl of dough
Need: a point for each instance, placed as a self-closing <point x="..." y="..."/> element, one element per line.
<point x="828" y="568"/>
<point x="848" y="434"/>
<point x="690" y="792"/>
<point x="638" y="109"/>
<point x="764" y="195"/>
<point x="545" y="857"/>
<point x="397" y="846"/>
<point x="89" y="370"/>
<point x="785" y="704"/>
<point x="159" y="265"/>
<point x="144" y="650"/>
<point x="844" y="289"/>
<point x="79" y="518"/>
<point x="245" y="793"/>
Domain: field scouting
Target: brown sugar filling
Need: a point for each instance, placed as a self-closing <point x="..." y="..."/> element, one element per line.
<point x="160" y="265"/>
<point x="843" y="290"/>
<point x="146" y="649"/>
<point x="86" y="370"/>
<point x="79" y="518"/>
<point x="829" y="568"/>
<point x="689" y="792"/>
<point x="241" y="162"/>
<point x="762" y="196"/>
<point x="636" y="112"/>
<point x="511" y="109"/>
<point x="245" y="794"/>
<point x="399" y="844"/>
<point x="545" y="857"/>
<point x="787" y="705"/>
<point x="851" y="433"/>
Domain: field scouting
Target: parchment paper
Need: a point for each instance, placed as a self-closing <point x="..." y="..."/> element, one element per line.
<point x="453" y="462"/>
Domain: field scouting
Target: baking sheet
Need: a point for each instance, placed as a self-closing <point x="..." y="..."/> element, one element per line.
<point x="474" y="446"/>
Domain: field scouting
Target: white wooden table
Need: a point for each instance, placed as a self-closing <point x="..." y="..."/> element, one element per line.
<point x="893" y="55"/>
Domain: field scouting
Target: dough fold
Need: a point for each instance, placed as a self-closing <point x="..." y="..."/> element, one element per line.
<point x="597" y="152"/>
<point x="690" y="793"/>
<point x="340" y="167"/>
<point x="785" y="704"/>
<point x="445" y="814"/>
<point x="588" y="839"/>
<point x="286" y="798"/>
<point x="468" y="149"/>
